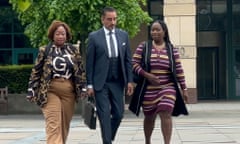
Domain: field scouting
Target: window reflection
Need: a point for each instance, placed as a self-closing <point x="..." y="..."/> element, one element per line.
<point x="5" y="57"/>
<point x="236" y="23"/>
<point x="21" y="41"/>
<point x="12" y="38"/>
<point x="211" y="15"/>
<point x="219" y="7"/>
<point x="237" y="71"/>
<point x="156" y="9"/>
<point x="26" y="58"/>
<point x="6" y="42"/>
<point x="236" y="15"/>
<point x="17" y="26"/>
<point x="5" y="21"/>
<point x="237" y="64"/>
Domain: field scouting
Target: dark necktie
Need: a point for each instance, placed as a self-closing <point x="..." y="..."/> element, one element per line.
<point x="112" y="47"/>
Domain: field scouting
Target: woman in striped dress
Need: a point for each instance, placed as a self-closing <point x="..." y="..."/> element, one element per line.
<point x="160" y="94"/>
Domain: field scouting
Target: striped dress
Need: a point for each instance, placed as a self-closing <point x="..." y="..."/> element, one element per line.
<point x="159" y="97"/>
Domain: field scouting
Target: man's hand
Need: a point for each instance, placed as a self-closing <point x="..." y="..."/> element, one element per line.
<point x="90" y="92"/>
<point x="129" y="89"/>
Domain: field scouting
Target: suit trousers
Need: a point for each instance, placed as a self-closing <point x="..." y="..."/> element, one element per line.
<point x="110" y="108"/>
<point x="59" y="110"/>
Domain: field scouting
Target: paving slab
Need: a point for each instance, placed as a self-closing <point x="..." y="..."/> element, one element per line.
<point x="214" y="122"/>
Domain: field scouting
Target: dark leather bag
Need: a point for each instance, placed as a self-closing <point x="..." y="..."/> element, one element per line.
<point x="90" y="113"/>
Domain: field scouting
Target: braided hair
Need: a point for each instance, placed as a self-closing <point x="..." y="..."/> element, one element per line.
<point x="165" y="29"/>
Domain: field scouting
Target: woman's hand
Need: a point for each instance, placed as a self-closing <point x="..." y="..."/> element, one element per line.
<point x="154" y="80"/>
<point x="185" y="96"/>
<point x="30" y="98"/>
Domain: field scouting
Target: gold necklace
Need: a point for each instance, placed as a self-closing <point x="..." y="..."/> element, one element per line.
<point x="159" y="47"/>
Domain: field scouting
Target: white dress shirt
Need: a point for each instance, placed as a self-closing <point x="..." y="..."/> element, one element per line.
<point x="108" y="41"/>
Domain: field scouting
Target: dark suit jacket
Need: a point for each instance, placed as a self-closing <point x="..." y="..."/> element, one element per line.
<point x="97" y="62"/>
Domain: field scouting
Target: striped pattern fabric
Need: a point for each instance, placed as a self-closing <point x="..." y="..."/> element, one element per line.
<point x="159" y="97"/>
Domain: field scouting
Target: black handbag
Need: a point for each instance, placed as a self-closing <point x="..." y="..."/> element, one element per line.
<point x="90" y="113"/>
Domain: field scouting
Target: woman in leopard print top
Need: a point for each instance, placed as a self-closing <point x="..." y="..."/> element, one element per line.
<point x="56" y="82"/>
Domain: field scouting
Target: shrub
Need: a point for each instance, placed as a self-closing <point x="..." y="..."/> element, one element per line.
<point x="15" y="77"/>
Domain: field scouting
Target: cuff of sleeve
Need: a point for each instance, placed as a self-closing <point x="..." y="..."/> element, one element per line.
<point x="84" y="89"/>
<point x="30" y="92"/>
<point x="141" y="72"/>
<point x="89" y="86"/>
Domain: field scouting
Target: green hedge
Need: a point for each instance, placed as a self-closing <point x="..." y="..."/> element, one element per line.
<point x="15" y="77"/>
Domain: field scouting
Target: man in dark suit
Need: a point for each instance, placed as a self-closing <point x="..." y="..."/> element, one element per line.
<point x="109" y="73"/>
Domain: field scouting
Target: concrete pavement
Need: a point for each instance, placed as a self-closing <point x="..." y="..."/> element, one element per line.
<point x="208" y="123"/>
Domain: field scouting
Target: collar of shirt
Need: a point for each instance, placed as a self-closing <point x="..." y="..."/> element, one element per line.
<point x="54" y="46"/>
<point x="106" y="31"/>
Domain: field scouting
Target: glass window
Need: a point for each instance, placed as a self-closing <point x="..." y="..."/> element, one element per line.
<point x="236" y="37"/>
<point x="219" y="7"/>
<point x="203" y="6"/>
<point x="4" y="3"/>
<point x="203" y="14"/>
<point x="21" y="41"/>
<point x="237" y="71"/>
<point x="237" y="61"/>
<point x="26" y="58"/>
<point x="12" y="37"/>
<point x="156" y="9"/>
<point x="5" y="20"/>
<point x="236" y="23"/>
<point x="236" y="14"/>
<point x="211" y="15"/>
<point x="6" y="41"/>
<point x="5" y="57"/>
<point x="17" y="26"/>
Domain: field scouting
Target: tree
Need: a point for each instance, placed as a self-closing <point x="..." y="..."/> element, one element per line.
<point x="83" y="16"/>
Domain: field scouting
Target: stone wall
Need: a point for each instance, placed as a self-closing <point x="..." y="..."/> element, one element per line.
<point x="180" y="16"/>
<point x="17" y="104"/>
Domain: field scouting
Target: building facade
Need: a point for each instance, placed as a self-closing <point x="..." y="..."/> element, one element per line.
<point x="15" y="47"/>
<point x="205" y="31"/>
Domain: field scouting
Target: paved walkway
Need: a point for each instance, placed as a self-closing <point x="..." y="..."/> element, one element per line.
<point x="208" y="123"/>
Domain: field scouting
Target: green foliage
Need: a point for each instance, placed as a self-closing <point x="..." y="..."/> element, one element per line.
<point x="83" y="16"/>
<point x="15" y="77"/>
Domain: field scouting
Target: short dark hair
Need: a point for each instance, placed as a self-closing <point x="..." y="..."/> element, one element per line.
<point x="53" y="27"/>
<point x="107" y="9"/>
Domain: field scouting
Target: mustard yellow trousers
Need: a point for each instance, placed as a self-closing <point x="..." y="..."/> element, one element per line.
<point x="59" y="110"/>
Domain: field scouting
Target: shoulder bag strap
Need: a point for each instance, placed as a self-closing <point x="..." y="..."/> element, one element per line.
<point x="148" y="55"/>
